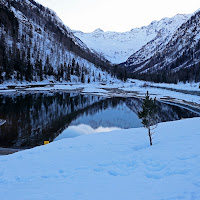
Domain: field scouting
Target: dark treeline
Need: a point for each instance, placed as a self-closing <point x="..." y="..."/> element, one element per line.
<point x="184" y="68"/>
<point x="17" y="63"/>
<point x="184" y="75"/>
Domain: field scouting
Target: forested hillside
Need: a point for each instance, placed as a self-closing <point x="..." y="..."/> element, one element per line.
<point x="36" y="45"/>
<point x="176" y="61"/>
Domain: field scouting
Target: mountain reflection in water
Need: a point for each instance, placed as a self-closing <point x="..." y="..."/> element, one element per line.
<point x="32" y="118"/>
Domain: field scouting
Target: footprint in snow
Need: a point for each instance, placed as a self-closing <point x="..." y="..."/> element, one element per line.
<point x="61" y="171"/>
<point x="187" y="157"/>
<point x="153" y="165"/>
<point x="153" y="175"/>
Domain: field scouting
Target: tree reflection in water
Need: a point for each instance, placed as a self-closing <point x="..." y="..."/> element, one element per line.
<point x="32" y="118"/>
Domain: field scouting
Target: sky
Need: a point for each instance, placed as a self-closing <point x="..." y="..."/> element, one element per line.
<point x="117" y="15"/>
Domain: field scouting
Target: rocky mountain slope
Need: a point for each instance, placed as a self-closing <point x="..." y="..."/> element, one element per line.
<point x="144" y="41"/>
<point x="176" y="60"/>
<point x="164" y="51"/>
<point x="36" y="45"/>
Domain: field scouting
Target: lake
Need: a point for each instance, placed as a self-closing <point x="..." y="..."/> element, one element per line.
<point x="32" y="118"/>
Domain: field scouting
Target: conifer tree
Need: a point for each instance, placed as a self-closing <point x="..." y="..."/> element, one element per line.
<point x="62" y="71"/>
<point x="73" y="66"/>
<point x="40" y="70"/>
<point x="29" y="72"/>
<point x="88" y="79"/>
<point x="99" y="77"/>
<point x="82" y="78"/>
<point x="47" y="67"/>
<point x="73" y="62"/>
<point x="29" y="67"/>
<point x="38" y="67"/>
<point x="68" y="74"/>
<point x="77" y="70"/>
<point x="149" y="115"/>
<point x="125" y="76"/>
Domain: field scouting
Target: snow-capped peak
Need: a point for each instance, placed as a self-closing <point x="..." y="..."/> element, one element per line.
<point x="98" y="30"/>
<point x="117" y="47"/>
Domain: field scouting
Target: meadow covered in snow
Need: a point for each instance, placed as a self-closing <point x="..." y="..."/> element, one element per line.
<point x="114" y="165"/>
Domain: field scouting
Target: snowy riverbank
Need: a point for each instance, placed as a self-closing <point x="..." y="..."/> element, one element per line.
<point x="115" y="165"/>
<point x="184" y="94"/>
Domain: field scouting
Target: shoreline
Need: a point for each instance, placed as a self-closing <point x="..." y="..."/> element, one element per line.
<point x="126" y="90"/>
<point x="8" y="151"/>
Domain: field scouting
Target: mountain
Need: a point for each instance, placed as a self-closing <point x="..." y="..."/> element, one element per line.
<point x="175" y="60"/>
<point x="164" y="51"/>
<point x="36" y="45"/>
<point x="118" y="47"/>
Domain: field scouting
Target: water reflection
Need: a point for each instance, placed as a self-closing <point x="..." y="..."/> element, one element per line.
<point x="32" y="118"/>
<point x="82" y="129"/>
<point x="119" y="115"/>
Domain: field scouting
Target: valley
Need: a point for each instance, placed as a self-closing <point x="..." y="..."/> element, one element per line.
<point x="71" y="102"/>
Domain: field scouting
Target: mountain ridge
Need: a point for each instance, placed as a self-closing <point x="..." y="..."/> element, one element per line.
<point x="117" y="47"/>
<point x="177" y="60"/>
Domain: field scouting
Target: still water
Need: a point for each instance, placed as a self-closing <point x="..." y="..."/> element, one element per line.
<point x="32" y="118"/>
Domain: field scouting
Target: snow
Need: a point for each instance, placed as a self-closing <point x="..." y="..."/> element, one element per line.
<point x="117" y="47"/>
<point x="2" y="122"/>
<point x="168" y="45"/>
<point x="114" y="165"/>
<point x="45" y="43"/>
<point x="109" y="163"/>
<point x="181" y="86"/>
<point x="167" y="29"/>
<point x="132" y="88"/>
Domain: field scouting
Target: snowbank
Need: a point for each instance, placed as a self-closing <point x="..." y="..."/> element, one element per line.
<point x="115" y="165"/>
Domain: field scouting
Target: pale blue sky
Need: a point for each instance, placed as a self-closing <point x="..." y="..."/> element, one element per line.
<point x="117" y="15"/>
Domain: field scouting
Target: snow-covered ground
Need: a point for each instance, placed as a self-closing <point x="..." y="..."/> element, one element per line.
<point x="118" y="164"/>
<point x="180" y="86"/>
<point x="131" y="88"/>
<point x="114" y="165"/>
